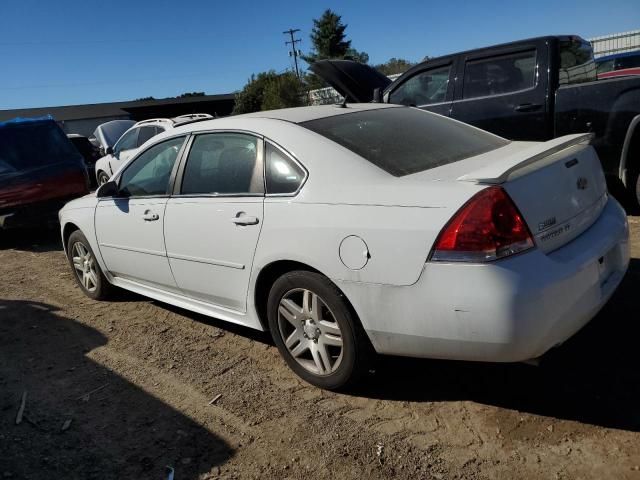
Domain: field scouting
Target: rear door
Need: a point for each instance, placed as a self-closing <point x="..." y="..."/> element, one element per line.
<point x="504" y="91"/>
<point x="213" y="221"/>
<point x="430" y="88"/>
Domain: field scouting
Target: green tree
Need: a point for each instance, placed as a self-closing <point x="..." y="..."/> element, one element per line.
<point x="268" y="91"/>
<point x="395" y="65"/>
<point x="329" y="40"/>
<point x="191" y="94"/>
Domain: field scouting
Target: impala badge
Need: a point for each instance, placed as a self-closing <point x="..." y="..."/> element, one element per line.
<point x="546" y="223"/>
<point x="582" y="183"/>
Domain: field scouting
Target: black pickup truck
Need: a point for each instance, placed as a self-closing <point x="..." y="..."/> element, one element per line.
<point x="534" y="89"/>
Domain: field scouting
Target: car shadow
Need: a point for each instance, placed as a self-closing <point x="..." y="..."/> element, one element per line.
<point x="33" y="239"/>
<point x="116" y="429"/>
<point x="592" y="378"/>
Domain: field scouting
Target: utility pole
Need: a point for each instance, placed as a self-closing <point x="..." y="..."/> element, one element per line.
<point x="294" y="51"/>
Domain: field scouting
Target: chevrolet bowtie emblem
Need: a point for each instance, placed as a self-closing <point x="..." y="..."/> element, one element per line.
<point x="582" y="183"/>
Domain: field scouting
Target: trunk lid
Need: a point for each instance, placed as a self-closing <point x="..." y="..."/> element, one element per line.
<point x="558" y="186"/>
<point x="354" y="81"/>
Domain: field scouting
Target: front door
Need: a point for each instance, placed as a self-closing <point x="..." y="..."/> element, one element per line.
<point x="505" y="93"/>
<point x="213" y="222"/>
<point x="129" y="226"/>
<point x="124" y="149"/>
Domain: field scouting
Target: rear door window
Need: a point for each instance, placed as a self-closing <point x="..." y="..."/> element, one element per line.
<point x="223" y="164"/>
<point x="424" y="88"/>
<point x="500" y="74"/>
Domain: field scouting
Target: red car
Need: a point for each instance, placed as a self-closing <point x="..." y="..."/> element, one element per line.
<point x="619" y="65"/>
<point x="40" y="170"/>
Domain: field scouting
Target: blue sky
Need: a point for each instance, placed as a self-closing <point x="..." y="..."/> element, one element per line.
<point x="67" y="52"/>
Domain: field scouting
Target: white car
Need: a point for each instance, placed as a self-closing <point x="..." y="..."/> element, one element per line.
<point x="359" y="229"/>
<point x="132" y="139"/>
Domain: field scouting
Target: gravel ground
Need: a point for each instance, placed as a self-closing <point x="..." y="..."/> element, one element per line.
<point x="123" y="389"/>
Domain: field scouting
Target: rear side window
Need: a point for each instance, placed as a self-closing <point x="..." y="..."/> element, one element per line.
<point x="283" y="174"/>
<point x="423" y="88"/>
<point x="500" y="74"/>
<point x="402" y="141"/>
<point x="223" y="164"/>
<point x="576" y="62"/>
<point x="28" y="145"/>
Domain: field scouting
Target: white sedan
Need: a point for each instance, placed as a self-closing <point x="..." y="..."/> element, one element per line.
<point x="350" y="230"/>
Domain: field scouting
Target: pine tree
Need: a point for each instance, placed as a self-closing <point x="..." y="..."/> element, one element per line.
<point x="328" y="38"/>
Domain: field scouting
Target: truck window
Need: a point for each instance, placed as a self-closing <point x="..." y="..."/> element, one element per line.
<point x="576" y="62"/>
<point x="34" y="144"/>
<point x="500" y="74"/>
<point x="424" y="88"/>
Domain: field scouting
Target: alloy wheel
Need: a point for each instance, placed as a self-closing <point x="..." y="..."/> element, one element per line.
<point x="84" y="265"/>
<point x="310" y="331"/>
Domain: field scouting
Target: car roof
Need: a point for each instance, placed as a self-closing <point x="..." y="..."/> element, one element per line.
<point x="304" y="114"/>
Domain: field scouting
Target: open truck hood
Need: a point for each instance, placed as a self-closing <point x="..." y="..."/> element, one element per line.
<point x="354" y="81"/>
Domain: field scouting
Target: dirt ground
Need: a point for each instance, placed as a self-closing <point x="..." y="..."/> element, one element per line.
<point x="123" y="389"/>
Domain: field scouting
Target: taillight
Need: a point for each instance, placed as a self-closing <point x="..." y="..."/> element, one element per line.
<point x="487" y="227"/>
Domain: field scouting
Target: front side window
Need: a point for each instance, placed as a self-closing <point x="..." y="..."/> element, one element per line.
<point x="150" y="172"/>
<point x="402" y="140"/>
<point x="128" y="141"/>
<point x="223" y="164"/>
<point x="500" y="74"/>
<point x="576" y="62"/>
<point x="283" y="174"/>
<point x="423" y="88"/>
<point x="146" y="133"/>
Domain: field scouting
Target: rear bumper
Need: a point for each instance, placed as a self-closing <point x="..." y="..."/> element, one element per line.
<point x="510" y="310"/>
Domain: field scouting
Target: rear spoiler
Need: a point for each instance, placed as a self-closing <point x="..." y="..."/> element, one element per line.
<point x="522" y="162"/>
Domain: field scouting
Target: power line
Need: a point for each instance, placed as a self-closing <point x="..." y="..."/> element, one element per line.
<point x="294" y="51"/>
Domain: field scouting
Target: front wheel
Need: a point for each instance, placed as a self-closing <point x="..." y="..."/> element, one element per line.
<point x="102" y="178"/>
<point x="316" y="332"/>
<point x="88" y="273"/>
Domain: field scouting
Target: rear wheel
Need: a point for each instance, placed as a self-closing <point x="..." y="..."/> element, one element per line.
<point x="87" y="271"/>
<point x="316" y="332"/>
<point x="102" y="178"/>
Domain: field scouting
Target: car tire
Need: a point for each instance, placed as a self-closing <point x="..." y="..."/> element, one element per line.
<point x="86" y="268"/>
<point x="102" y="178"/>
<point x="316" y="331"/>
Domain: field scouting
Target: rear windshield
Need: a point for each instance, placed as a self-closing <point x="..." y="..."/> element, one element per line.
<point x="402" y="141"/>
<point x="28" y="145"/>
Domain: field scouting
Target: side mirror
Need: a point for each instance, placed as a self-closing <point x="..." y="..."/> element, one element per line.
<point x="109" y="151"/>
<point x="377" y="95"/>
<point x="108" y="189"/>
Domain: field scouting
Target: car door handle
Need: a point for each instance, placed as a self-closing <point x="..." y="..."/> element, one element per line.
<point x="527" y="107"/>
<point x="245" y="220"/>
<point x="149" y="216"/>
